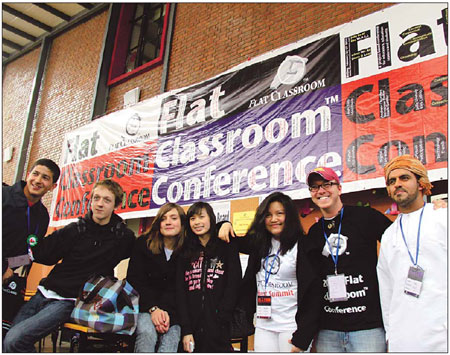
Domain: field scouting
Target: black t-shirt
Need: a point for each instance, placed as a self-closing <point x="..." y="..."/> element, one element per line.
<point x="360" y="230"/>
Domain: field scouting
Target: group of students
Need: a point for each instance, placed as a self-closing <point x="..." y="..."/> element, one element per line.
<point x="190" y="279"/>
<point x="298" y="286"/>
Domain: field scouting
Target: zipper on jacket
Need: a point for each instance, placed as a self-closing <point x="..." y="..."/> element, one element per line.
<point x="204" y="270"/>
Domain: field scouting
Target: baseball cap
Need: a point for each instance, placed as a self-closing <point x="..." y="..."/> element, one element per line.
<point x="324" y="172"/>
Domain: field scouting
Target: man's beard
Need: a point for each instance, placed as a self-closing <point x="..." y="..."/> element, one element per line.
<point x="408" y="200"/>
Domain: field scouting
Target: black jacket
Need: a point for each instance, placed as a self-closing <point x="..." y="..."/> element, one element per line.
<point x="207" y="290"/>
<point x="86" y="248"/>
<point x="309" y="299"/>
<point x="154" y="278"/>
<point x="15" y="221"/>
<point x="308" y="295"/>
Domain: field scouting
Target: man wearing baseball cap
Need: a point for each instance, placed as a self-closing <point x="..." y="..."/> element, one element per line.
<point x="412" y="266"/>
<point x="342" y="246"/>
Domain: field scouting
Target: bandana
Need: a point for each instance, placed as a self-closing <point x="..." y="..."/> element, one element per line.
<point x="413" y="165"/>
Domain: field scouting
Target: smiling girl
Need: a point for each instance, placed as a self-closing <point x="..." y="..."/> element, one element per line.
<point x="208" y="278"/>
<point x="272" y="276"/>
<point x="151" y="271"/>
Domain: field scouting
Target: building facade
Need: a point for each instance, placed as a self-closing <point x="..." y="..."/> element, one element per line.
<point x="207" y="39"/>
<point x="135" y="52"/>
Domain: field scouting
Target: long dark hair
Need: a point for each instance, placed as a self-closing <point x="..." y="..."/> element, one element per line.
<point x="192" y="240"/>
<point x="292" y="229"/>
<point x="155" y="240"/>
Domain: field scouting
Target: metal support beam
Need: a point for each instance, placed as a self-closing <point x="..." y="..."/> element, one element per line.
<point x="12" y="44"/>
<point x="26" y="18"/>
<point x="86" y="5"/>
<point x="18" y="32"/>
<point x="53" y="11"/>
<point x="65" y="26"/>
<point x="168" y="47"/>
<point x="101" y="93"/>
<point x="43" y="57"/>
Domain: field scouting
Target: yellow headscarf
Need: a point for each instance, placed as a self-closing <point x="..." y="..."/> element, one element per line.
<point x="412" y="164"/>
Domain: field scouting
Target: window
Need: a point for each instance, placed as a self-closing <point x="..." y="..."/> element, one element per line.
<point x="139" y="41"/>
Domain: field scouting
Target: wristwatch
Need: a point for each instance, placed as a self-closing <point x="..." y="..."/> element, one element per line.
<point x="154" y="308"/>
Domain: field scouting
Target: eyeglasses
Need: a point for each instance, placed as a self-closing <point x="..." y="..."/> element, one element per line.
<point x="326" y="186"/>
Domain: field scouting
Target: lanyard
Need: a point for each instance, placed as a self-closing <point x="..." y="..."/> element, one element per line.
<point x="32" y="238"/>
<point x="418" y="237"/>
<point x="267" y="273"/>
<point x="37" y="226"/>
<point x="335" y="258"/>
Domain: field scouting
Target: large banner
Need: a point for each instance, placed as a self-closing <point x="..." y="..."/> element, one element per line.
<point x="349" y="98"/>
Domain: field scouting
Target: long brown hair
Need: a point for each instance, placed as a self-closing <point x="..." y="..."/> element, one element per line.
<point x="155" y="240"/>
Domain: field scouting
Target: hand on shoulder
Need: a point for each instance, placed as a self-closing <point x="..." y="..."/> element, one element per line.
<point x="226" y="229"/>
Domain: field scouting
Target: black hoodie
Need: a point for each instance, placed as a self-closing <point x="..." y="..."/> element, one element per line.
<point x="86" y="248"/>
<point x="207" y="290"/>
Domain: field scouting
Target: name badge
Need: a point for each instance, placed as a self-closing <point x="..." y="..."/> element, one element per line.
<point x="337" y="288"/>
<point x="263" y="307"/>
<point x="413" y="283"/>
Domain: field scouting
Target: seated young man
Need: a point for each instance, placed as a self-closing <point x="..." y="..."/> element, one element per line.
<point x="93" y="245"/>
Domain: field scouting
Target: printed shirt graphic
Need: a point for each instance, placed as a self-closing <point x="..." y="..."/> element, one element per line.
<point x="335" y="241"/>
<point x="193" y="276"/>
<point x="282" y="286"/>
<point x="356" y="286"/>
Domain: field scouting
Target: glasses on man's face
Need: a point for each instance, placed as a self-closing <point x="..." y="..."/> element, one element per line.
<point x="326" y="186"/>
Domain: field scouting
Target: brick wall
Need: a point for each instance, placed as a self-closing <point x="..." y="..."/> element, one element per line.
<point x="68" y="90"/>
<point x="66" y="93"/>
<point x="210" y="38"/>
<point x="17" y="86"/>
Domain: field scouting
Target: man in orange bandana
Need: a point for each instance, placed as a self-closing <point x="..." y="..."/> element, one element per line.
<point x="413" y="165"/>
<point x="412" y="266"/>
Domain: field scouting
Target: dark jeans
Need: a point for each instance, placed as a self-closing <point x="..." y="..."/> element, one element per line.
<point x="35" y="320"/>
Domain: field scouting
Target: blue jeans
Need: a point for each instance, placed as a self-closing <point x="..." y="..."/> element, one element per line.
<point x="35" y="320"/>
<point x="147" y="336"/>
<point x="369" y="340"/>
